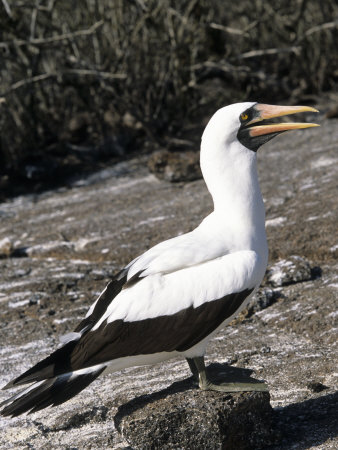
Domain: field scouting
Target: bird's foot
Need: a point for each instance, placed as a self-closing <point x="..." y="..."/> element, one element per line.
<point x="201" y="378"/>
<point x="233" y="386"/>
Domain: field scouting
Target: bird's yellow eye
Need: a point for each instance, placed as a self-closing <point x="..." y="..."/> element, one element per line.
<point x="244" y="116"/>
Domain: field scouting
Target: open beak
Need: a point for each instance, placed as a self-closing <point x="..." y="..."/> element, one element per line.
<point x="266" y="112"/>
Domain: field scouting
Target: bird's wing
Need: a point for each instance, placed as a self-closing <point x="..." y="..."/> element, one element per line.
<point x="160" y="313"/>
<point x="196" y="247"/>
<point x="170" y="312"/>
<point x="164" y="258"/>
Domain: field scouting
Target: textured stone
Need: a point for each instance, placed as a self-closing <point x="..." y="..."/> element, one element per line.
<point x="6" y="247"/>
<point x="178" y="417"/>
<point x="175" y="166"/>
<point x="288" y="271"/>
<point x="264" y="298"/>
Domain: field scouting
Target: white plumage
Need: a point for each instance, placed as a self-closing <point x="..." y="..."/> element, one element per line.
<point x="167" y="294"/>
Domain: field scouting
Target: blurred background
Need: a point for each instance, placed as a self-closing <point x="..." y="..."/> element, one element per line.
<point x="85" y="84"/>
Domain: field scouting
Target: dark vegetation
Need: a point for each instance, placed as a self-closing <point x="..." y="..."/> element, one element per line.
<point x="86" y="82"/>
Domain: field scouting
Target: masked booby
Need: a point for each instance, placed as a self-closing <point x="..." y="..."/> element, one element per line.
<point x="173" y="298"/>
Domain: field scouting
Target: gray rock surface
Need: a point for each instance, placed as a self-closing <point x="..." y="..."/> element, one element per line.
<point x="81" y="234"/>
<point x="180" y="418"/>
<point x="175" y="166"/>
<point x="6" y="247"/>
<point x="294" y="269"/>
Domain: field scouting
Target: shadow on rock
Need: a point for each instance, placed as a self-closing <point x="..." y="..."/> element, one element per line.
<point x="307" y="423"/>
<point x="140" y="402"/>
<point x="217" y="373"/>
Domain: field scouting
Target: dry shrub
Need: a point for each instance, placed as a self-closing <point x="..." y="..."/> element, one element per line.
<point x="76" y="76"/>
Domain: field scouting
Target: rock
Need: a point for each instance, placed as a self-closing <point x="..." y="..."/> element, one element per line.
<point x="175" y="166"/>
<point x="185" y="418"/>
<point x="332" y="113"/>
<point x="288" y="271"/>
<point x="262" y="299"/>
<point x="316" y="386"/>
<point x="6" y="247"/>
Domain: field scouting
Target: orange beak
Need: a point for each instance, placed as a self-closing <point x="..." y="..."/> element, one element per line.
<point x="271" y="111"/>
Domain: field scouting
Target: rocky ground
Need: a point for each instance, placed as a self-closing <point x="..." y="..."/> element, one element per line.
<point x="63" y="245"/>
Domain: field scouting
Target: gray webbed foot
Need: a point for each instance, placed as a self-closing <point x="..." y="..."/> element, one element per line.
<point x="234" y="387"/>
<point x="198" y="370"/>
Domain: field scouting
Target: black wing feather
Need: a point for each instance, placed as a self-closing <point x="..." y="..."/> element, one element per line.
<point x="59" y="362"/>
<point x="51" y="392"/>
<point x="113" y="288"/>
<point x="179" y="332"/>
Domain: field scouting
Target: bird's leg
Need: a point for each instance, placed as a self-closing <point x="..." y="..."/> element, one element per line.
<point x="193" y="368"/>
<point x="206" y="385"/>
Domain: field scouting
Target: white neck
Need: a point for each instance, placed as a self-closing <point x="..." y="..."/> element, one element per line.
<point x="230" y="172"/>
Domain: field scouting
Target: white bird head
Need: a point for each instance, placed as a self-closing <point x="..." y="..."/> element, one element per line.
<point x="228" y="150"/>
<point x="247" y="124"/>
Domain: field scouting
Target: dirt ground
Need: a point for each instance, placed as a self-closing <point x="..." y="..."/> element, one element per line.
<point x="66" y="243"/>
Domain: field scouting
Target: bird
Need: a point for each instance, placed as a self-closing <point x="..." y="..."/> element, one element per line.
<point x="171" y="300"/>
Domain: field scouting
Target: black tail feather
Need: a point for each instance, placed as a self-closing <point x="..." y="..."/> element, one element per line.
<point x="50" y="392"/>
<point x="55" y="364"/>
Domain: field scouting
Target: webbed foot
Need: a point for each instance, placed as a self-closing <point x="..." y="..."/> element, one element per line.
<point x="198" y="370"/>
<point x="233" y="387"/>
